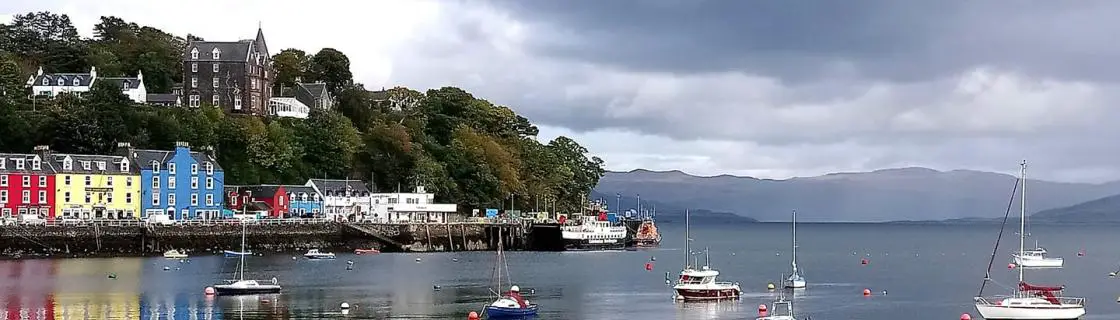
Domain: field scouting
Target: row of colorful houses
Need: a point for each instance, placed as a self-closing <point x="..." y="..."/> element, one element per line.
<point x="185" y="184"/>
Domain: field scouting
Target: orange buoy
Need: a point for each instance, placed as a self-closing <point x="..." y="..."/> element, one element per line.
<point x="472" y="316"/>
<point x="762" y="310"/>
<point x="649" y="266"/>
<point x="866" y="292"/>
<point x="1011" y="266"/>
<point x="966" y="316"/>
<point x="209" y="291"/>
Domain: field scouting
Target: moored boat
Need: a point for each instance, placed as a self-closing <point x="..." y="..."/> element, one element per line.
<point x="647" y="235"/>
<point x="366" y="251"/>
<point x="315" y="254"/>
<point x="174" y="254"/>
<point x="701" y="284"/>
<point x="510" y="304"/>
<point x="795" y="279"/>
<point x="241" y="286"/>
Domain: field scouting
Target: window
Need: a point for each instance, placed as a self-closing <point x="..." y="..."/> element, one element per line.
<point x="101" y="165"/>
<point x="67" y="180"/>
<point x="171" y="199"/>
<point x="194" y="199"/>
<point x="3" y="180"/>
<point x="66" y="197"/>
<point x="171" y="182"/>
<point x="171" y="168"/>
<point x="217" y="53"/>
<point x="209" y="199"/>
<point x="61" y="82"/>
<point x="42" y="181"/>
<point x="109" y="181"/>
<point x="26" y="181"/>
<point x="124" y="165"/>
<point x="194" y="53"/>
<point x="194" y="182"/>
<point x="26" y="196"/>
<point x="237" y="102"/>
<point x="155" y="198"/>
<point x="46" y="82"/>
<point x="42" y="196"/>
<point x="3" y="196"/>
<point x="194" y="82"/>
<point x="128" y="182"/>
<point x="280" y="201"/>
<point x="155" y="167"/>
<point x="19" y="164"/>
<point x="194" y="168"/>
<point x="194" y="66"/>
<point x="36" y="164"/>
<point x="254" y="82"/>
<point x="215" y="67"/>
<point x="88" y="180"/>
<point x="155" y="182"/>
<point x="209" y="183"/>
<point x="214" y="82"/>
<point x="87" y="197"/>
<point x="85" y="165"/>
<point x="128" y="197"/>
<point x="67" y="164"/>
<point x="214" y="100"/>
<point x="109" y="197"/>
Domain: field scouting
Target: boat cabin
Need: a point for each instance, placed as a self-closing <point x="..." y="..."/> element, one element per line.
<point x="692" y="276"/>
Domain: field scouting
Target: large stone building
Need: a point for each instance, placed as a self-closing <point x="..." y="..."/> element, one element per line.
<point x="235" y="76"/>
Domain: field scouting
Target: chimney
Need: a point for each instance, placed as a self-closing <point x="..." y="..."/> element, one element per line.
<point x="44" y="152"/>
<point x="124" y="149"/>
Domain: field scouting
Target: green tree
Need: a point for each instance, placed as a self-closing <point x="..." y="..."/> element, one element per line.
<point x="45" y="39"/>
<point x="331" y="67"/>
<point x="290" y="65"/>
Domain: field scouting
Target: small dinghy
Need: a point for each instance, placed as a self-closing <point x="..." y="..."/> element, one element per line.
<point x="366" y="251"/>
<point x="315" y="254"/>
<point x="511" y="304"/>
<point x="174" y="254"/>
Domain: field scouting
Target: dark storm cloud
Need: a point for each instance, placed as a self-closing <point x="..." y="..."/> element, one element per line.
<point x="798" y="40"/>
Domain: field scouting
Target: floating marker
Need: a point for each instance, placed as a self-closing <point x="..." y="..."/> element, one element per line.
<point x="436" y="287"/>
<point x="762" y="310"/>
<point x="344" y="306"/>
<point x="649" y="266"/>
<point x="1010" y="266"/>
<point x="770" y="286"/>
<point x="209" y="291"/>
<point x="866" y="292"/>
<point x="863" y="261"/>
<point x="966" y="316"/>
<point x="472" y="316"/>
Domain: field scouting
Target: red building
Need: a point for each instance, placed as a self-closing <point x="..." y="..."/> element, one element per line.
<point x="274" y="197"/>
<point x="26" y="186"/>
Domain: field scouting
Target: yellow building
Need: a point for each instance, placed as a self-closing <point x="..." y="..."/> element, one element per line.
<point x="95" y="187"/>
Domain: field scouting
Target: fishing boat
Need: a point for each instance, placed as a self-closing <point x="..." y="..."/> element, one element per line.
<point x="242" y="286"/>
<point x="174" y="254"/>
<point x="780" y="309"/>
<point x="1036" y="258"/>
<point x="647" y="235"/>
<point x="315" y="254"/>
<point x="1027" y="301"/>
<point x="701" y="284"/>
<point x="366" y="251"/>
<point x="511" y="304"/>
<point x="795" y="279"/>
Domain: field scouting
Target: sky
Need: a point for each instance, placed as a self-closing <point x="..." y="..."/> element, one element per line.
<point x="770" y="89"/>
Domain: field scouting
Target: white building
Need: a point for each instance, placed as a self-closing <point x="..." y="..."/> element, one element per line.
<point x="342" y="199"/>
<point x="415" y="207"/>
<point x="53" y="84"/>
<point x="288" y="108"/>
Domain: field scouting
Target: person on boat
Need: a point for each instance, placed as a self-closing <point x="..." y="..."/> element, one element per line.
<point x="515" y="294"/>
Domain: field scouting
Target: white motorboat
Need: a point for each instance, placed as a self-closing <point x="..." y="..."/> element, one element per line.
<point x="315" y="254"/>
<point x="242" y="286"/>
<point x="174" y="254"/>
<point x="1027" y="302"/>
<point x="795" y="279"/>
<point x="1036" y="258"/>
<point x="780" y="309"/>
<point x="701" y="284"/>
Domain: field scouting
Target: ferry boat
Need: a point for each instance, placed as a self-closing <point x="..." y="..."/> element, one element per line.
<point x="647" y="235"/>
<point x="592" y="234"/>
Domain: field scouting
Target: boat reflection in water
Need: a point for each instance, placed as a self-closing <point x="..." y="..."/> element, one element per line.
<point x="707" y="309"/>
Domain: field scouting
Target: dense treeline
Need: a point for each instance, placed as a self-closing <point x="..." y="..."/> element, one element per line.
<point x="466" y="150"/>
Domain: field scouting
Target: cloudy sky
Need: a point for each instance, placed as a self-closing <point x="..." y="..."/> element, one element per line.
<point x="763" y="88"/>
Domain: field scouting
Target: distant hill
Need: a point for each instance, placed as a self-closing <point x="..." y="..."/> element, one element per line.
<point x="668" y="211"/>
<point x="883" y="195"/>
<point x="1105" y="209"/>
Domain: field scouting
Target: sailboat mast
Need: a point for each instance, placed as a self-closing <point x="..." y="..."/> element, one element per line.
<point x="794" y="261"/>
<point x="686" y="239"/>
<point x="499" y="266"/>
<point x="1022" y="214"/>
<point x="241" y="267"/>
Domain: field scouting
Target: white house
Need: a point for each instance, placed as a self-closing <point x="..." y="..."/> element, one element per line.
<point x="52" y="84"/>
<point x="414" y="207"/>
<point x="288" y="108"/>
<point x="342" y="199"/>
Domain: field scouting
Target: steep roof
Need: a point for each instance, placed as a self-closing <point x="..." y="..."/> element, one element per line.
<point x="294" y="189"/>
<point x="334" y="185"/>
<point x="262" y="191"/>
<point x="91" y="164"/>
<point x="124" y="82"/>
<point x="84" y="79"/>
<point x="9" y="160"/>
<point x="144" y="158"/>
<point x="236" y="51"/>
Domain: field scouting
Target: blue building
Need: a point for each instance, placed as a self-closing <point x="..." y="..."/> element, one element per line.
<point x="303" y="202"/>
<point x="183" y="184"/>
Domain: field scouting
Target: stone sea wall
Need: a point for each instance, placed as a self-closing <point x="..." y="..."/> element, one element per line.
<point x="140" y="240"/>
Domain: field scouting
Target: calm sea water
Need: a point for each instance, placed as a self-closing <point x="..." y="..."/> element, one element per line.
<point x="927" y="271"/>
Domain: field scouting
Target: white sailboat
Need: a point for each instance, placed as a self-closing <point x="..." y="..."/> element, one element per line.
<point x="242" y="286"/>
<point x="1028" y="302"/>
<point x="795" y="279"/>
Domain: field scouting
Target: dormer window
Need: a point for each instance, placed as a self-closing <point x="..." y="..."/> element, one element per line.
<point x="67" y="164"/>
<point x="77" y="82"/>
<point x="194" y="53"/>
<point x="61" y="81"/>
<point x="19" y="164"/>
<point x="124" y="165"/>
<point x="101" y="165"/>
<point x="217" y="53"/>
<point x="36" y="164"/>
<point x="85" y="165"/>
<point x="46" y="82"/>
<point x="155" y="166"/>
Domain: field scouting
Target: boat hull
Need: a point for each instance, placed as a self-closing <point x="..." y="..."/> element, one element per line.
<point x="222" y="290"/>
<point x="230" y="254"/>
<point x="495" y="312"/>
<point x="318" y="257"/>
<point x="583" y="244"/>
<point x="1040" y="263"/>
<point x="795" y="284"/>
<point x="172" y="256"/>
<point x="1045" y="312"/>
<point x="707" y="294"/>
<point x="366" y="251"/>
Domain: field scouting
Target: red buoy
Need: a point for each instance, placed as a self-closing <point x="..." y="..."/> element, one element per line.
<point x="863" y="261"/>
<point x="762" y="310"/>
<point x="966" y="317"/>
<point x="866" y="292"/>
<point x="649" y="266"/>
<point x="472" y="316"/>
<point x="1010" y="266"/>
